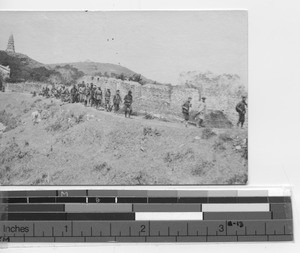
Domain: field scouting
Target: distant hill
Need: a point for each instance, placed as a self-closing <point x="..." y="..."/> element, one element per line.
<point x="24" y="68"/>
<point x="102" y="69"/>
<point x="92" y="68"/>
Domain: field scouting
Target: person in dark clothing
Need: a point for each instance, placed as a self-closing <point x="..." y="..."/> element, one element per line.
<point x="87" y="95"/>
<point x="73" y="94"/>
<point x="128" y="104"/>
<point x="92" y="95"/>
<point x="241" y="109"/>
<point x="186" y="110"/>
<point x="98" y="95"/>
<point x="117" y="100"/>
<point x="107" y="100"/>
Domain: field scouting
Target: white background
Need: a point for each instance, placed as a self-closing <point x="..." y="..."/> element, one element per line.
<point x="274" y="91"/>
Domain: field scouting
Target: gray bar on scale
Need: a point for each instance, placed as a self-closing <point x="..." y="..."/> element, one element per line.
<point x="191" y="238"/>
<point x="236" y="216"/>
<point x="132" y="193"/>
<point x="130" y="239"/>
<point x="192" y="194"/>
<point x="16" y="239"/>
<point x="162" y="194"/>
<point x="166" y="207"/>
<point x="161" y="239"/>
<point x="39" y="239"/>
<point x="281" y="238"/>
<point x="69" y="239"/>
<point x="252" y="238"/>
<point x="223" y="193"/>
<point x="222" y="238"/>
<point x="101" y="239"/>
<point x="281" y="210"/>
<point x="102" y="193"/>
<point x="99" y="208"/>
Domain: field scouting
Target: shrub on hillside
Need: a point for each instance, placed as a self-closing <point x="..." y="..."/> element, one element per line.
<point x="9" y="121"/>
<point x="207" y="133"/>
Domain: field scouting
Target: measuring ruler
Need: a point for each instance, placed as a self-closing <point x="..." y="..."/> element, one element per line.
<point x="145" y="216"/>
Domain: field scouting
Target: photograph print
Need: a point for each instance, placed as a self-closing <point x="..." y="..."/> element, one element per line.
<point x="124" y="98"/>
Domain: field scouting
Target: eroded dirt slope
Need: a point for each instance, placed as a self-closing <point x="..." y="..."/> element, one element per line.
<point x="75" y="145"/>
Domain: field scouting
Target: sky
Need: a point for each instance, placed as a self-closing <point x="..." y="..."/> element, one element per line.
<point x="157" y="44"/>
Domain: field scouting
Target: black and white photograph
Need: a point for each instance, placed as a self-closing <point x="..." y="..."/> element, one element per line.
<point x="123" y="98"/>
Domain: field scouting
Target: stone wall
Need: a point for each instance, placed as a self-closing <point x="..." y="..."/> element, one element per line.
<point x="113" y="84"/>
<point x="221" y="94"/>
<point x="25" y="87"/>
<point x="4" y="72"/>
<point x="180" y="94"/>
<point x="149" y="97"/>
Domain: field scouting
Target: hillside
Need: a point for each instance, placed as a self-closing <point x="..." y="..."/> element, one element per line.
<point x="23" y="67"/>
<point x="103" y="69"/>
<point x="7" y="57"/>
<point x="77" y="145"/>
<point x="92" y="68"/>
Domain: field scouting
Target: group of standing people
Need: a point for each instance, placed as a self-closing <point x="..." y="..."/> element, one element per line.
<point x="201" y="111"/>
<point x="90" y="95"/>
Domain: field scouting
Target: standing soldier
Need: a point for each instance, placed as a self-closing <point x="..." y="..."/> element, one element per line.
<point x="67" y="95"/>
<point x="81" y="90"/>
<point x="63" y="93"/>
<point x="87" y="95"/>
<point x="47" y="92"/>
<point x="73" y="94"/>
<point x="91" y="102"/>
<point x="201" y="113"/>
<point x="107" y="100"/>
<point x="117" y="100"/>
<point x="83" y="94"/>
<point x="43" y="92"/>
<point x="98" y="94"/>
<point x="186" y="110"/>
<point x="94" y="99"/>
<point x="52" y="91"/>
<point x="127" y="104"/>
<point x="241" y="109"/>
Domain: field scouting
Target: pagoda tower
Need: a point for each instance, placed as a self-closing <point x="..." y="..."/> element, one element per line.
<point x="11" y="44"/>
